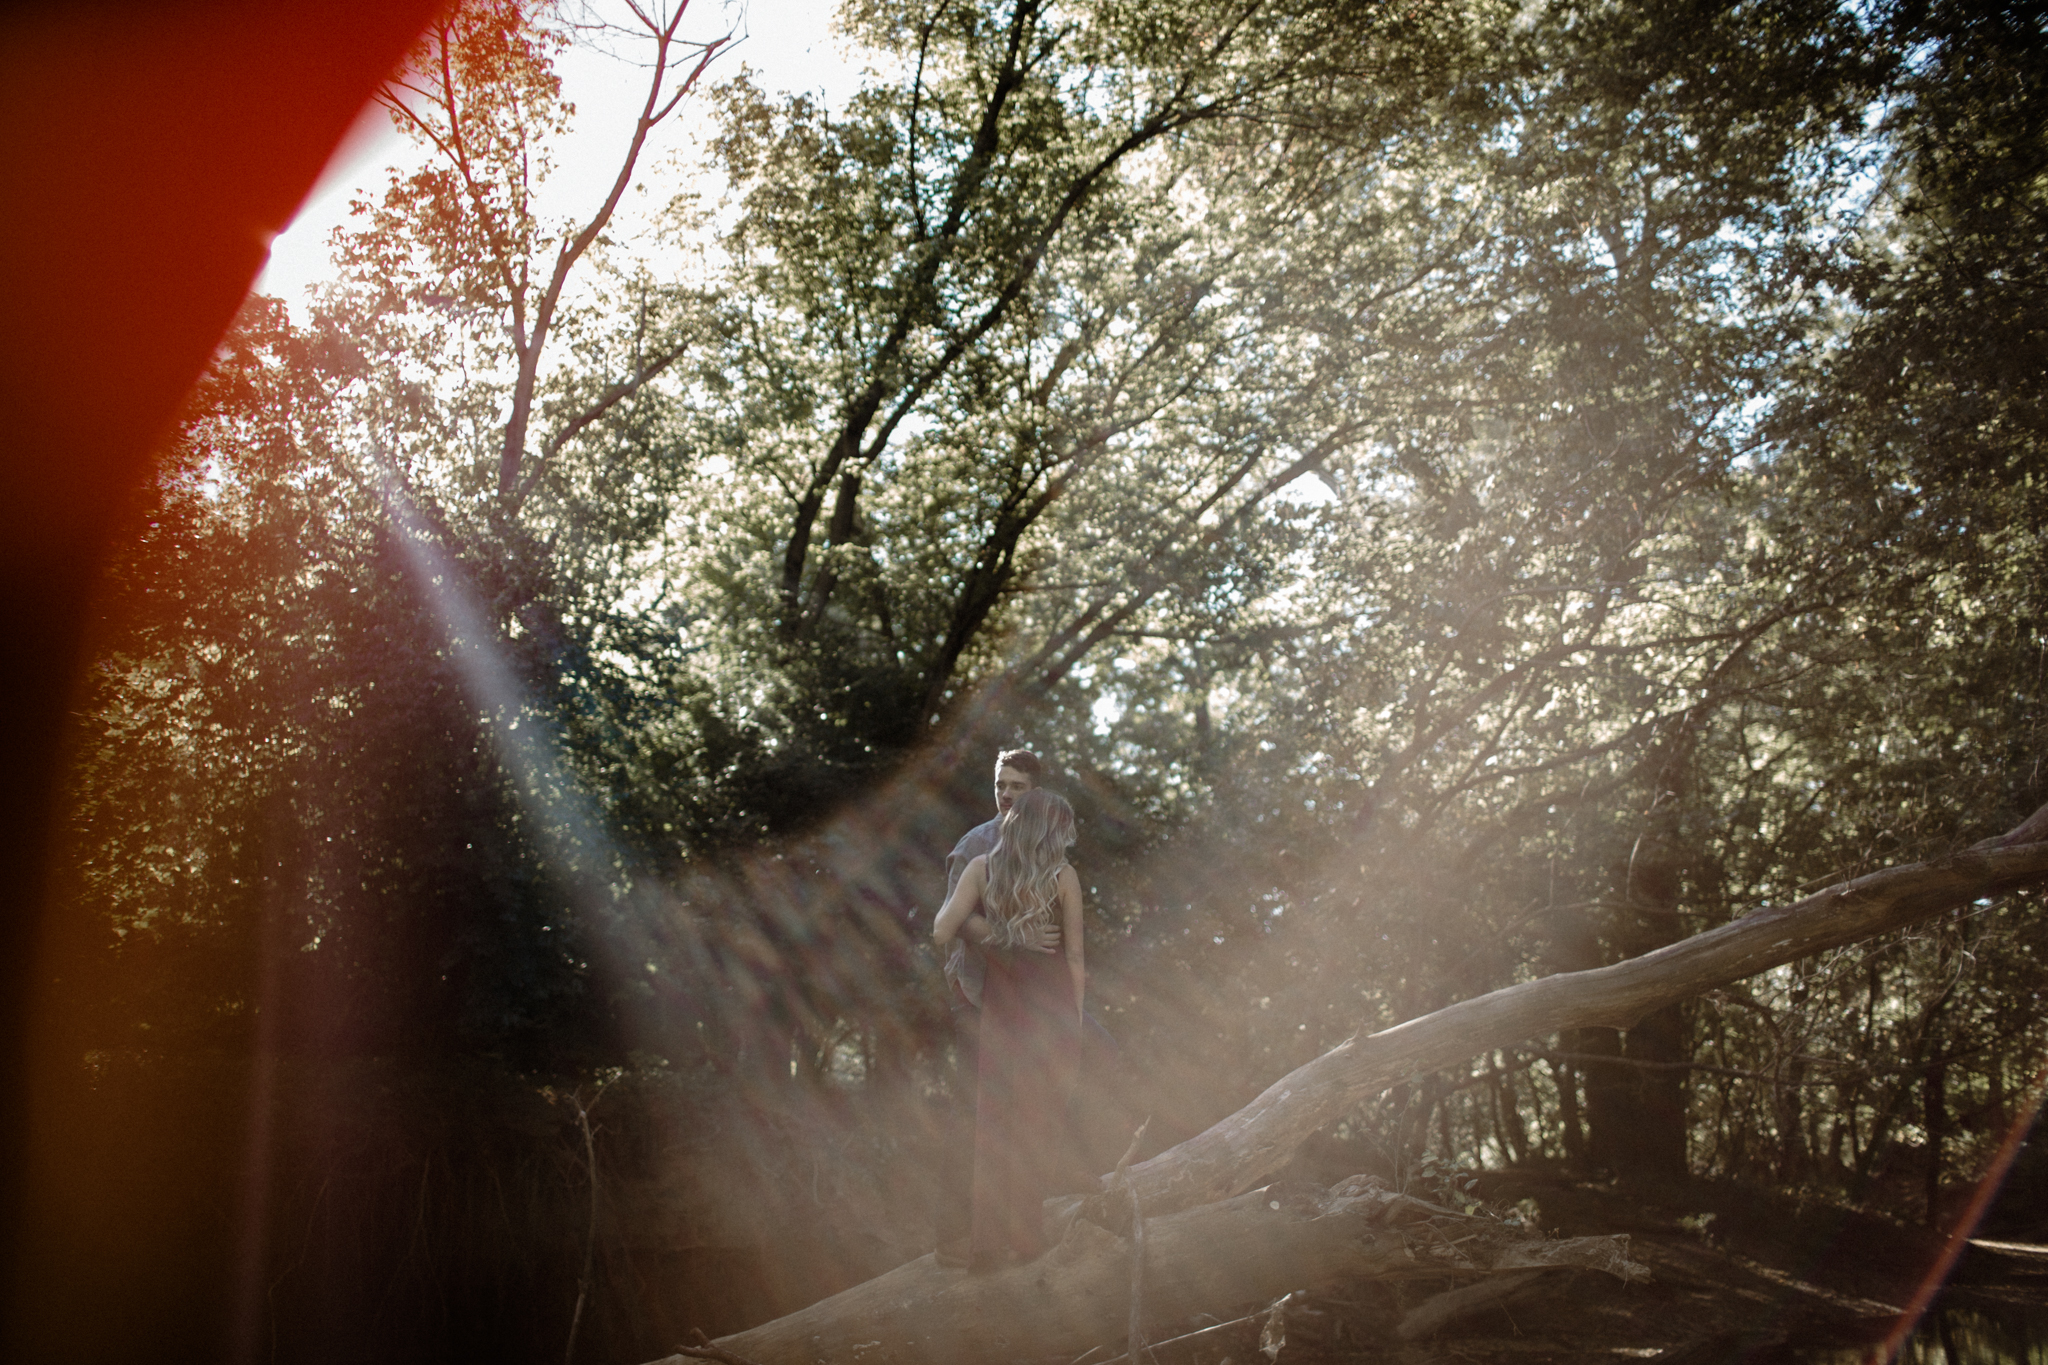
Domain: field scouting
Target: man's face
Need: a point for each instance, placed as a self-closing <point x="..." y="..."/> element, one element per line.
<point x="1011" y="783"/>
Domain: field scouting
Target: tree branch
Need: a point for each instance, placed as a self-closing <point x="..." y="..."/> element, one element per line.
<point x="1068" y="646"/>
<point x="611" y="397"/>
<point x="1258" y="1139"/>
<point x="853" y="442"/>
<point x="652" y="112"/>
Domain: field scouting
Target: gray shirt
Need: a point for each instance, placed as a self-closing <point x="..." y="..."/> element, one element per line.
<point x="965" y="967"/>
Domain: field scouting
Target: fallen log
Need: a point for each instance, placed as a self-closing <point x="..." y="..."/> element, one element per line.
<point x="1257" y="1140"/>
<point x="1245" y="1250"/>
<point x="1210" y="1247"/>
<point x="1435" y="1314"/>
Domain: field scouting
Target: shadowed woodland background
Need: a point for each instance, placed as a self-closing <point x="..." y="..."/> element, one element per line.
<point x="1457" y="492"/>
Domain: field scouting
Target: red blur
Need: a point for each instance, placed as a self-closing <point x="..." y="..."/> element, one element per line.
<point x="151" y="151"/>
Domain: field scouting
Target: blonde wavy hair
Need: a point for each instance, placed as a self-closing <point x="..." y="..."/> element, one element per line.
<point x="1023" y="869"/>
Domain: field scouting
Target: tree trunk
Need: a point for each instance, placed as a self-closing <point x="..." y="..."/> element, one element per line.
<point x="1247" y="1250"/>
<point x="1606" y="1102"/>
<point x="1574" y="1133"/>
<point x="1640" y="1129"/>
<point x="1934" y="1119"/>
<point x="1654" y="1143"/>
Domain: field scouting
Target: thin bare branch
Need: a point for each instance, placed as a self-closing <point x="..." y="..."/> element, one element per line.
<point x="652" y="112"/>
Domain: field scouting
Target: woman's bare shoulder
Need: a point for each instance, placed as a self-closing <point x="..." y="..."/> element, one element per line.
<point x="1068" y="877"/>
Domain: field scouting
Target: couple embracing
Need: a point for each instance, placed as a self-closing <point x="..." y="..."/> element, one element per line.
<point x="1016" y="973"/>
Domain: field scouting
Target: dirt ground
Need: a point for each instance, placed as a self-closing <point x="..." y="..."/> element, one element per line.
<point x="1737" y="1279"/>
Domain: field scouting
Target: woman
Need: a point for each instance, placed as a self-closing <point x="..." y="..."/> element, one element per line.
<point x="1031" y="1010"/>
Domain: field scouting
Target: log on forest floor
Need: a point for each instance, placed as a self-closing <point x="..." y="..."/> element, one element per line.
<point x="1213" y="1253"/>
<point x="1248" y="1146"/>
<point x="1217" y="1259"/>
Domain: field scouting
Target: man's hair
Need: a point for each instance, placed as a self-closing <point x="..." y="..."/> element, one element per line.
<point x="1024" y="761"/>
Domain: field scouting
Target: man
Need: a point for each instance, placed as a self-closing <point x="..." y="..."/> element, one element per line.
<point x="1017" y="772"/>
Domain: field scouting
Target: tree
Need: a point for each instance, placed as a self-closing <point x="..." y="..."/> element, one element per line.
<point x="1523" y="611"/>
<point x="1901" y="454"/>
<point x="974" y="335"/>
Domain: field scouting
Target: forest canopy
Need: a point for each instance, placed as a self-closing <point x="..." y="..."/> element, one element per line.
<point x="1456" y="492"/>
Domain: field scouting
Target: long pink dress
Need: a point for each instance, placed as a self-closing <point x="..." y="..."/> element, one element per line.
<point x="1030" y="1056"/>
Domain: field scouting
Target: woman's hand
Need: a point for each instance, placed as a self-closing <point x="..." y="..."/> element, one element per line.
<point x="977" y="929"/>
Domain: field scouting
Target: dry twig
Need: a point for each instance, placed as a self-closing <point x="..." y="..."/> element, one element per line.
<point x="704" y="1350"/>
<point x="1135" y="1349"/>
